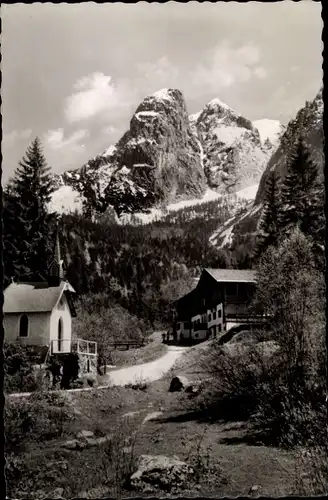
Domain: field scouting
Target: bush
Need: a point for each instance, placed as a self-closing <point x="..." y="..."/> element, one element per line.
<point x="19" y="375"/>
<point x="252" y="383"/>
<point x="39" y="417"/>
<point x="238" y="372"/>
<point x="291" y="418"/>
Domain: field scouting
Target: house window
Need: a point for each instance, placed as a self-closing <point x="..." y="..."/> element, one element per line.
<point x="210" y="317"/>
<point x="220" y="327"/>
<point x="214" y="315"/>
<point x="60" y="334"/>
<point x="219" y="313"/>
<point x="23" y="326"/>
<point x="196" y="335"/>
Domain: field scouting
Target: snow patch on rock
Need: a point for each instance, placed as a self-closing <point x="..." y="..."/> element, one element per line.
<point x="269" y="129"/>
<point x="65" y="200"/>
<point x="248" y="193"/>
<point x="228" y="135"/>
<point x="163" y="94"/>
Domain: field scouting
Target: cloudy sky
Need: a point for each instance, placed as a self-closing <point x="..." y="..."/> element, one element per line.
<point x="74" y="74"/>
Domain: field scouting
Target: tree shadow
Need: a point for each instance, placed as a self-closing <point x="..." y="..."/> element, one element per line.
<point x="250" y="434"/>
<point x="249" y="438"/>
<point x="208" y="415"/>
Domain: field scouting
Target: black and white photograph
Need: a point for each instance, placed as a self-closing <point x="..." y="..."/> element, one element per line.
<point x="163" y="241"/>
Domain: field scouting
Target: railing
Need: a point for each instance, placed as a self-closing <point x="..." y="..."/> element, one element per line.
<point x="85" y="346"/>
<point x="79" y="346"/>
<point x="245" y="318"/>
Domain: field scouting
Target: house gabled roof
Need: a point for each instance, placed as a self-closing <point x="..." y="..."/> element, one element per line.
<point x="33" y="297"/>
<point x="232" y="275"/>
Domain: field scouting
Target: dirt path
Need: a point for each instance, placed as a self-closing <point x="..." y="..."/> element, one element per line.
<point x="146" y="372"/>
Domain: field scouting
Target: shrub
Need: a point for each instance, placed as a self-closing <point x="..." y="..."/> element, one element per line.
<point x="291" y="418"/>
<point x="41" y="416"/>
<point x="237" y="372"/>
<point x="18" y="370"/>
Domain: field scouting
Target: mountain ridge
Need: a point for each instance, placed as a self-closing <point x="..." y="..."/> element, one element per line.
<point x="167" y="156"/>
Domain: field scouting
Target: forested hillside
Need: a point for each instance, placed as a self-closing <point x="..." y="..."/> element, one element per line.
<point x="142" y="267"/>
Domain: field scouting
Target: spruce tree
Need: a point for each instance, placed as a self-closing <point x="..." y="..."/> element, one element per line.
<point x="268" y="230"/>
<point x="29" y="225"/>
<point x="13" y="227"/>
<point x="297" y="191"/>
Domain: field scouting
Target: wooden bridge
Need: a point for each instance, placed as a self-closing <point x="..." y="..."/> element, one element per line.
<point x="127" y="345"/>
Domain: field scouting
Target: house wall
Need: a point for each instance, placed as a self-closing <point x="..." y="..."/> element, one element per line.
<point x="231" y="298"/>
<point x="197" y="334"/>
<point x="38" y="328"/>
<point x="215" y="326"/>
<point x="183" y="329"/>
<point x="61" y="311"/>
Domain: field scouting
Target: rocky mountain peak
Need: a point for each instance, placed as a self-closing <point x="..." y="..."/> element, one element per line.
<point x="218" y="113"/>
<point x="234" y="155"/>
<point x="157" y="161"/>
<point x="167" y="156"/>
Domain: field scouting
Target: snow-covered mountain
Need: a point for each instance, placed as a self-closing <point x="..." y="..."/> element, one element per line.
<point x="167" y="157"/>
<point x="308" y="124"/>
<point x="234" y="153"/>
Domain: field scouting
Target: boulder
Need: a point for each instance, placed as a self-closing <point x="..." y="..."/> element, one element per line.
<point x="159" y="472"/>
<point x="178" y="383"/>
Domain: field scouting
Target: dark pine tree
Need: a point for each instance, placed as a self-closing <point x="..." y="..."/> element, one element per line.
<point x="268" y="230"/>
<point x="14" y="258"/>
<point x="297" y="191"/>
<point x="31" y="231"/>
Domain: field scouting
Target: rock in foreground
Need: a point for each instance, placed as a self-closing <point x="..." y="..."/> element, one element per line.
<point x="178" y="383"/>
<point x="158" y="472"/>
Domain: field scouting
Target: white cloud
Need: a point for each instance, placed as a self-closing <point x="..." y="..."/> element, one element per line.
<point x="223" y="66"/>
<point x="260" y="72"/>
<point x="10" y="138"/>
<point x="95" y="94"/>
<point x="55" y="139"/>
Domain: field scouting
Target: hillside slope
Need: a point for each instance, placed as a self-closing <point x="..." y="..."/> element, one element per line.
<point x="308" y="124"/>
